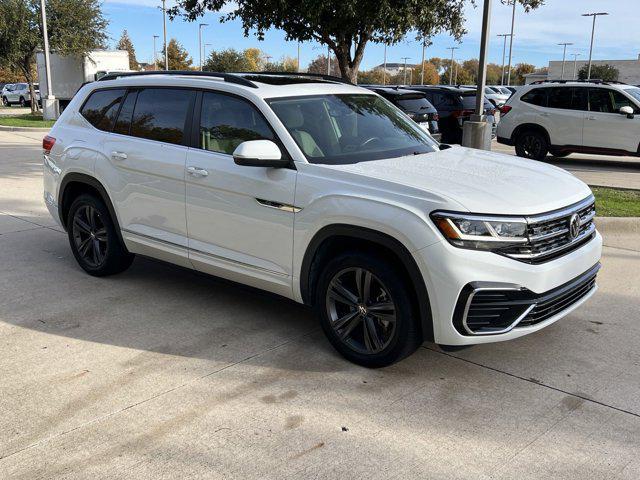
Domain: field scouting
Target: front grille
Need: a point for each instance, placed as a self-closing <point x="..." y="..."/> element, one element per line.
<point x="549" y="234"/>
<point x="485" y="310"/>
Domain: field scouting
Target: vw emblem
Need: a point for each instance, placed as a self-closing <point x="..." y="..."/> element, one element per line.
<point x="574" y="226"/>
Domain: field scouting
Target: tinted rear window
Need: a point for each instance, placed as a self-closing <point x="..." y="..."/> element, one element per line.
<point x="160" y="114"/>
<point x="414" y="104"/>
<point x="101" y="108"/>
<point x="536" y="96"/>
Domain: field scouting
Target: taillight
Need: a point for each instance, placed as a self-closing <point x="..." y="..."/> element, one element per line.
<point x="48" y="143"/>
<point x="504" y="109"/>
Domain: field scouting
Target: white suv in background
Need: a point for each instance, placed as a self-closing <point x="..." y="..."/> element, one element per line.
<point x="19" y="93"/>
<point x="324" y="193"/>
<point x="563" y="117"/>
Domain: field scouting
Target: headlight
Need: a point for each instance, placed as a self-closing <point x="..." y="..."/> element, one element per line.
<point x="481" y="232"/>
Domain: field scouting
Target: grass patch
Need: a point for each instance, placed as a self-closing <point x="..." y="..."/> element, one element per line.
<point x="611" y="202"/>
<point x="25" y="120"/>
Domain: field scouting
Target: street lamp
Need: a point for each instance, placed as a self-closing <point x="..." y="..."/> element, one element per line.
<point x="155" y="57"/>
<point x="564" y="55"/>
<point x="504" y="49"/>
<point x="593" y="29"/>
<point x="384" y="66"/>
<point x="575" y="64"/>
<point x="164" y="30"/>
<point x="405" y="69"/>
<point x="453" y="49"/>
<point x="200" y="41"/>
<point x="205" y="50"/>
<point x="49" y="110"/>
<point x="424" y="46"/>
<point x="328" y="60"/>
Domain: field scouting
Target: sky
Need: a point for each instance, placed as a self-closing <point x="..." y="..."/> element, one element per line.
<point x="537" y="33"/>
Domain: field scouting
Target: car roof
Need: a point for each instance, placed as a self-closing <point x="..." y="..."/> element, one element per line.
<point x="249" y="84"/>
<point x="395" y="91"/>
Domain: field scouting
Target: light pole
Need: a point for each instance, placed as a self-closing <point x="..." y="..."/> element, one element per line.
<point x="155" y="57"/>
<point x="564" y="56"/>
<point x="593" y="30"/>
<point x="405" y="69"/>
<point x="504" y="50"/>
<point x="205" y="50"/>
<point x="200" y="41"/>
<point x="424" y="46"/>
<point x="513" y="23"/>
<point x="384" y="66"/>
<point x="453" y="49"/>
<point x="49" y="112"/>
<point x="164" y="30"/>
<point x="298" y="64"/>
<point x="575" y="64"/>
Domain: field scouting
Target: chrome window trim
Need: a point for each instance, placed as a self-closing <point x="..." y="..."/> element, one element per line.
<point x="565" y="212"/>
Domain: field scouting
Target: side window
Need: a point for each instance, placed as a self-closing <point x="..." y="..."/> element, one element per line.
<point x="160" y="114"/>
<point x="123" y="123"/>
<point x="580" y="99"/>
<point x="619" y="101"/>
<point x="560" y="97"/>
<point x="600" y="100"/>
<point x="226" y="122"/>
<point x="101" y="108"/>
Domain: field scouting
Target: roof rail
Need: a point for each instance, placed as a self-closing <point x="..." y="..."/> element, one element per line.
<point x="320" y="76"/>
<point x="227" y="77"/>
<point x="593" y="80"/>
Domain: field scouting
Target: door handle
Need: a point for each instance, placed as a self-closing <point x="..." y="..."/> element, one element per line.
<point x="591" y="117"/>
<point x="118" y="155"/>
<point x="197" y="171"/>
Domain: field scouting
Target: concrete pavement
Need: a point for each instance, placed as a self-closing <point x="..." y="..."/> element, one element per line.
<point x="164" y="373"/>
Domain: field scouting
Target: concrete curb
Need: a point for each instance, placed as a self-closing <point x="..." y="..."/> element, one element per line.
<point x="4" y="128"/>
<point x="618" y="225"/>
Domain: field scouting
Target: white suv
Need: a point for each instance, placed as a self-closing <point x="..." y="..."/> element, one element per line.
<point x="325" y="193"/>
<point x="19" y="93"/>
<point x="563" y="117"/>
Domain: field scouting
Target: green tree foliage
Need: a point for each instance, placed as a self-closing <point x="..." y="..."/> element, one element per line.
<point x="285" y="64"/>
<point x="347" y="26"/>
<point x="606" y="72"/>
<point x="520" y="71"/>
<point x="75" y="27"/>
<point x="125" y="43"/>
<point x="229" y="60"/>
<point x="178" y="56"/>
<point x="372" y="77"/>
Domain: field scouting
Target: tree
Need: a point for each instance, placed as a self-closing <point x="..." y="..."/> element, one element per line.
<point x="230" y="60"/>
<point x="373" y="77"/>
<point x="286" y="64"/>
<point x="125" y="43"/>
<point x="607" y="73"/>
<point x="319" y="65"/>
<point x="74" y="26"/>
<point x="178" y="56"/>
<point x="431" y="76"/>
<point x="347" y="26"/>
<point x="521" y="70"/>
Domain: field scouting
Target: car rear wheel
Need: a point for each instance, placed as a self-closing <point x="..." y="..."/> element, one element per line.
<point x="93" y="238"/>
<point x="5" y="102"/>
<point x="532" y="144"/>
<point x="366" y="311"/>
<point x="22" y="102"/>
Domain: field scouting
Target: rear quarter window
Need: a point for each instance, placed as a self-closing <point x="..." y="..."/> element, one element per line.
<point x="537" y="96"/>
<point x="101" y="108"/>
<point x="160" y="114"/>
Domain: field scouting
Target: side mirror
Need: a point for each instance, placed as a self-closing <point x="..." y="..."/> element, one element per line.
<point x="628" y="111"/>
<point x="259" y="153"/>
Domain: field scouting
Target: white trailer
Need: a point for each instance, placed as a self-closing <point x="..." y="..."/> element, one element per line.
<point x="69" y="73"/>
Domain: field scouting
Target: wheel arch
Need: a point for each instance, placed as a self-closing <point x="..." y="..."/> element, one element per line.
<point x="74" y="184"/>
<point x="339" y="237"/>
<point x="530" y="126"/>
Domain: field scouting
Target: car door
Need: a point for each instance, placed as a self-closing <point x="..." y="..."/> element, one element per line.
<point x="14" y="95"/>
<point x="605" y="127"/>
<point x="240" y="219"/>
<point x="564" y="116"/>
<point x="144" y="165"/>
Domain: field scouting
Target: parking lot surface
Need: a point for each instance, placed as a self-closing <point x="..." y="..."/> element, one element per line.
<point x="164" y="373"/>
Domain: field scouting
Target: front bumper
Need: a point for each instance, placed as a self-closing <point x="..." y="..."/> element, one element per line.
<point x="448" y="270"/>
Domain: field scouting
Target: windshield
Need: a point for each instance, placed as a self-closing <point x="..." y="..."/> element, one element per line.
<point x="634" y="92"/>
<point x="343" y="129"/>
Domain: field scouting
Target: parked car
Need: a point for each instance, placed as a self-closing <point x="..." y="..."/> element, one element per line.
<point x="6" y="88"/>
<point x="497" y="98"/>
<point x="414" y="104"/>
<point x="324" y="193"/>
<point x="455" y="106"/>
<point x="563" y="117"/>
<point x="18" y="93"/>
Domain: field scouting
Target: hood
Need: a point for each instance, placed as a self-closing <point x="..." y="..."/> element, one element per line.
<point x="481" y="181"/>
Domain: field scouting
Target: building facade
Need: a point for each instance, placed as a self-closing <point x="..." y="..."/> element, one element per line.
<point x="629" y="69"/>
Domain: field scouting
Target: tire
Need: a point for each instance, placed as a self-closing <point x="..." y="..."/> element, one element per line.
<point x="558" y="154"/>
<point x="93" y="238"/>
<point x="532" y="144"/>
<point x="388" y="312"/>
<point x="5" y="102"/>
<point x="22" y="102"/>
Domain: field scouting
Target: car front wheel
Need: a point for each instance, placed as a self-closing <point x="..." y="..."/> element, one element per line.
<point x="532" y="144"/>
<point x="5" y="102"/>
<point x="93" y="238"/>
<point x="22" y="102"/>
<point x="366" y="311"/>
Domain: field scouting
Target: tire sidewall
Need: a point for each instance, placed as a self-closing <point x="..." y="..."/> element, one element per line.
<point x="544" y="145"/>
<point x="406" y="336"/>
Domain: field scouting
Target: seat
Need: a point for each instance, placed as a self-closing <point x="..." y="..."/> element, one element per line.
<point x="293" y="119"/>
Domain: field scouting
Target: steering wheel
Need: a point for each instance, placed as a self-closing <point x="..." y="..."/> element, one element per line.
<point x="369" y="140"/>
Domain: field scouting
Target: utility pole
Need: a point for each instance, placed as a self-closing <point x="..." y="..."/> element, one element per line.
<point x="451" y="66"/>
<point x="205" y="50"/>
<point x="155" y="57"/>
<point x="593" y="30"/>
<point x="200" y="41"/>
<point x="328" y="60"/>
<point x="424" y="46"/>
<point x="384" y="67"/>
<point x="575" y="65"/>
<point x="564" y="56"/>
<point x="298" y="65"/>
<point x="164" y="28"/>
<point x="513" y="23"/>
<point x="405" y="69"/>
<point x="504" y="50"/>
<point x="49" y="103"/>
